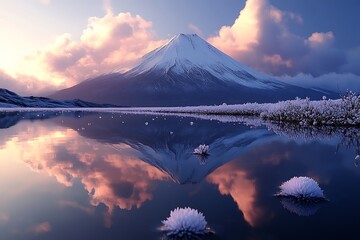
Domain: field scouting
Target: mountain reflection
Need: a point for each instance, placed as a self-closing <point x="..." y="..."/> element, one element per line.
<point x="168" y="142"/>
<point x="121" y="159"/>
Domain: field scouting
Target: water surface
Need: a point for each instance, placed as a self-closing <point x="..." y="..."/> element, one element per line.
<point x="117" y="176"/>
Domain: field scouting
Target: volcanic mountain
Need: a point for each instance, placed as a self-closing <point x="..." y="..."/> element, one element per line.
<point x="185" y="71"/>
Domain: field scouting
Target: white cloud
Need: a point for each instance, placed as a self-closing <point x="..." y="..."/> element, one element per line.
<point x="338" y="83"/>
<point x="45" y="2"/>
<point x="195" y="29"/>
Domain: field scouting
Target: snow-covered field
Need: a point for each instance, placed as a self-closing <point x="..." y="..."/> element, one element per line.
<point x="340" y="112"/>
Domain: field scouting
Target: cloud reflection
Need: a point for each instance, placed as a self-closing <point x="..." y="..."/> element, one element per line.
<point x="234" y="182"/>
<point x="114" y="178"/>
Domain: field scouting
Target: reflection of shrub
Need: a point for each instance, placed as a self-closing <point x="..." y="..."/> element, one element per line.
<point x="202" y="149"/>
<point x="185" y="223"/>
<point x="301" y="208"/>
<point x="302" y="188"/>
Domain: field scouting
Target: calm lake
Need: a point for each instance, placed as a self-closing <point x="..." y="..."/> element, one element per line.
<point x="77" y="175"/>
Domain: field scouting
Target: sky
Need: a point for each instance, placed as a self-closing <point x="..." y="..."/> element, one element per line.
<point x="47" y="45"/>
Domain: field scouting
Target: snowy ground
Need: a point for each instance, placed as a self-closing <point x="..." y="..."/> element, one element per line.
<point x="340" y="112"/>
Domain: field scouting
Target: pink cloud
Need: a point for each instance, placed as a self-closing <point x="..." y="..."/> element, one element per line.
<point x="109" y="43"/>
<point x="260" y="38"/>
<point x="24" y="85"/>
<point x="321" y="38"/>
<point x="43" y="227"/>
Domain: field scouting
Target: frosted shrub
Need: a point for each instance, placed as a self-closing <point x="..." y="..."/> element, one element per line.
<point x="301" y="188"/>
<point x="202" y="149"/>
<point x="345" y="111"/>
<point x="340" y="112"/>
<point x="350" y="104"/>
<point x="185" y="222"/>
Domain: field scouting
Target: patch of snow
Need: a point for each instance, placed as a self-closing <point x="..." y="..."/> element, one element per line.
<point x="339" y="112"/>
<point x="301" y="188"/>
<point x="184" y="222"/>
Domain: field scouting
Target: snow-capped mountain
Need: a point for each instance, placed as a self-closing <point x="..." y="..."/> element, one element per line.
<point x="191" y="55"/>
<point x="10" y="99"/>
<point x="185" y="71"/>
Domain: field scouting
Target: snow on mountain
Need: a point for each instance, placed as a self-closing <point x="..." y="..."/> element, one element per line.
<point x="184" y="54"/>
<point x="185" y="71"/>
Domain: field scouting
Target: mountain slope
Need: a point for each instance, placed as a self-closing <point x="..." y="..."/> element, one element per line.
<point x="185" y="71"/>
<point x="10" y="99"/>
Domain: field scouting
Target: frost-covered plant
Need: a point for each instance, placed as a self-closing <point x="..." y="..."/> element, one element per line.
<point x="185" y="222"/>
<point x="301" y="188"/>
<point x="202" y="149"/>
<point x="350" y="104"/>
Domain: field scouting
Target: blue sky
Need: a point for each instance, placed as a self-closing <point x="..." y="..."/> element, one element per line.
<point x="50" y="43"/>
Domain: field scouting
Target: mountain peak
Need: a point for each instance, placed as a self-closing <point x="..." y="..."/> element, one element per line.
<point x="186" y="53"/>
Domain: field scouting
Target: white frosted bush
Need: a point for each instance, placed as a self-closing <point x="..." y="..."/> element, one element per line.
<point x="202" y="149"/>
<point x="339" y="112"/>
<point x="184" y="222"/>
<point x="303" y="188"/>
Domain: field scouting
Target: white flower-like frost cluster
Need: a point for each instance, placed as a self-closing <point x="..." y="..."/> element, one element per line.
<point x="301" y="188"/>
<point x="184" y="222"/>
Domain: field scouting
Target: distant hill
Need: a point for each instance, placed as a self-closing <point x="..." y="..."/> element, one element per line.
<point x="10" y="99"/>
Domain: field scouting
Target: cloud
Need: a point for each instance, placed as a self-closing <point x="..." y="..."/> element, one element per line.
<point x="107" y="6"/>
<point x="260" y="38"/>
<point x="235" y="182"/>
<point x="338" y="83"/>
<point x="112" y="42"/>
<point x="353" y="61"/>
<point x="24" y="85"/>
<point x="43" y="227"/>
<point x="4" y="218"/>
<point x="45" y="2"/>
<point x="195" y="29"/>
